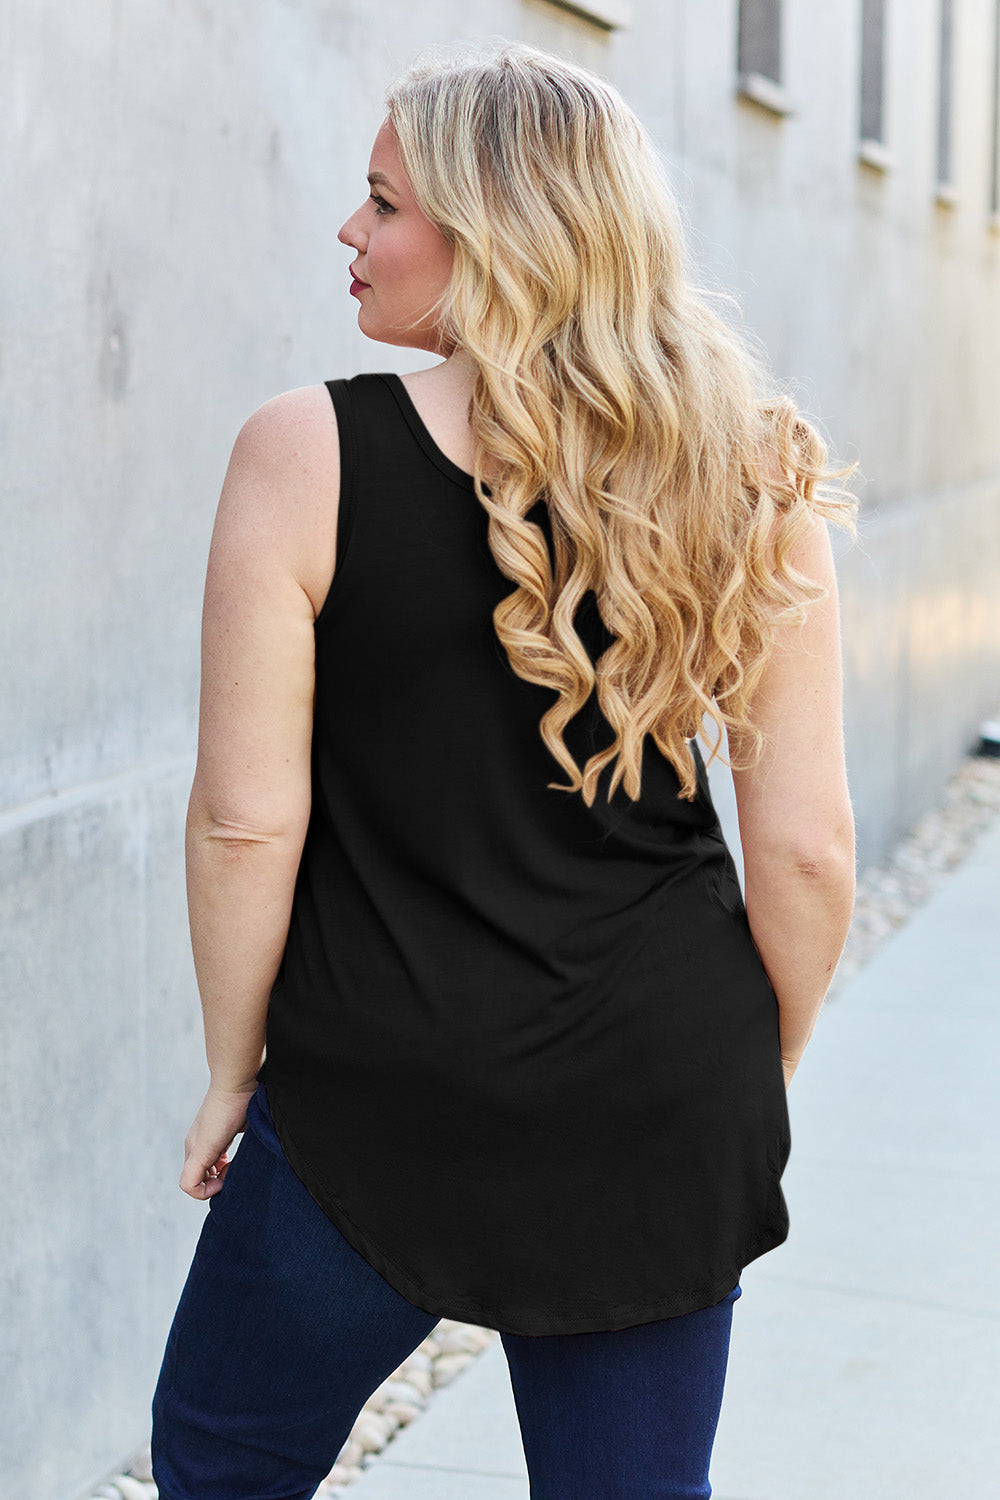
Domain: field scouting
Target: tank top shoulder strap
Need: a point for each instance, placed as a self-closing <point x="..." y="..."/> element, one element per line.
<point x="347" y="501"/>
<point x="387" y="459"/>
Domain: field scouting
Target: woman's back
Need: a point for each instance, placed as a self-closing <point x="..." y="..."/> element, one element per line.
<point x="521" y="1050"/>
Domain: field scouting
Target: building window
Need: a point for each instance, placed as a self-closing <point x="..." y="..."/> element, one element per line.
<point x="760" y="38"/>
<point x="871" y="124"/>
<point x="872" y="64"/>
<point x="759" y="56"/>
<point x="995" y="125"/>
<point x="945" y="186"/>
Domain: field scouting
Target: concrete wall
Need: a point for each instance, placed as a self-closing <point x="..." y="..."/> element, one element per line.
<point x="177" y="173"/>
<point x="883" y="308"/>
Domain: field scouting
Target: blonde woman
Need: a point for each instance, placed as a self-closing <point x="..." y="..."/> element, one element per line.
<point x="479" y="983"/>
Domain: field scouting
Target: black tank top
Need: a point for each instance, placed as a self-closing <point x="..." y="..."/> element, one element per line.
<point x="523" y="1053"/>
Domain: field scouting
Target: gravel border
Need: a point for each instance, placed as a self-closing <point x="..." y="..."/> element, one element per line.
<point x="887" y="896"/>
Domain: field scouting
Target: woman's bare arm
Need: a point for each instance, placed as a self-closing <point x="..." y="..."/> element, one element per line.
<point x="250" y="801"/>
<point x="795" y="818"/>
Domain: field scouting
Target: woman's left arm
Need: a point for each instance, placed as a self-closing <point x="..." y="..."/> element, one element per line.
<point x="250" y="801"/>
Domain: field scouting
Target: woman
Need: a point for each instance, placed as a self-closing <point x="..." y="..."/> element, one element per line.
<point x="526" y="1047"/>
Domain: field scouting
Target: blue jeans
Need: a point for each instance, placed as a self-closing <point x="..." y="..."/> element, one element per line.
<point x="283" y="1331"/>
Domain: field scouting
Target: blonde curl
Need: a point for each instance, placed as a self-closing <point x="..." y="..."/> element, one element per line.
<point x="677" y="473"/>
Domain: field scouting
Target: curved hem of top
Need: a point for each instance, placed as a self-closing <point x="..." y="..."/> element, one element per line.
<point x="481" y="1317"/>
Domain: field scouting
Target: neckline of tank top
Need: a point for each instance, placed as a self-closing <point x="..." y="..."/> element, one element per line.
<point x="422" y="434"/>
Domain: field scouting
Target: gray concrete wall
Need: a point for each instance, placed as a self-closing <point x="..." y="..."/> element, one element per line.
<point x="176" y="175"/>
<point x="884" y="310"/>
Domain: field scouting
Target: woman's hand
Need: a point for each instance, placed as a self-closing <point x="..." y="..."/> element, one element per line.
<point x="221" y="1117"/>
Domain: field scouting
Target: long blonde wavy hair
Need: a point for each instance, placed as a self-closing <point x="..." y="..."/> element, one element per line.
<point x="676" y="471"/>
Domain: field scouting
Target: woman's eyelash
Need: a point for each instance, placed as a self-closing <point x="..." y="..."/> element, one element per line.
<point x="386" y="208"/>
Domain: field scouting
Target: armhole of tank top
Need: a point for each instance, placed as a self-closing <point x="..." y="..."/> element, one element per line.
<point x="347" y="499"/>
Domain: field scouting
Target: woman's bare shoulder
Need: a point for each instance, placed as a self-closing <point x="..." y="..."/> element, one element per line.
<point x="288" y="423"/>
<point x="288" y="452"/>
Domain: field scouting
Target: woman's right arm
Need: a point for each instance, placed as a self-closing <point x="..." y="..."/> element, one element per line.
<point x="795" y="818"/>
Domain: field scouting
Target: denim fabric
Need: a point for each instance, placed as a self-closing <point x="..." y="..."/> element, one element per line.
<point x="283" y="1331"/>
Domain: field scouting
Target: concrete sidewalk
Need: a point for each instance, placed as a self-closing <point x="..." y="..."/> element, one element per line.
<point x="865" y="1359"/>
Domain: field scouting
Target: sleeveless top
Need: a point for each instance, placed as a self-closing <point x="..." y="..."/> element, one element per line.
<point x="523" y="1053"/>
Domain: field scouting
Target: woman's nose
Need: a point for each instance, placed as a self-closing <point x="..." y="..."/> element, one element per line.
<point x="351" y="234"/>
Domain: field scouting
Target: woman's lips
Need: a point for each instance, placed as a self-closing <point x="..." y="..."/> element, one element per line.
<point x="358" y="286"/>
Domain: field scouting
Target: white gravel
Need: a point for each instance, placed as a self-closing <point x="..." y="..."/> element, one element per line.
<point x="887" y="896"/>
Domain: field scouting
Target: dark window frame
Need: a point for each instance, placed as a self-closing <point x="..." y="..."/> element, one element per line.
<point x="759" y="56"/>
<point x="994" y="153"/>
<point x="945" y="165"/>
<point x="872" y="66"/>
<point x="759" y="45"/>
<point x="871" y="102"/>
